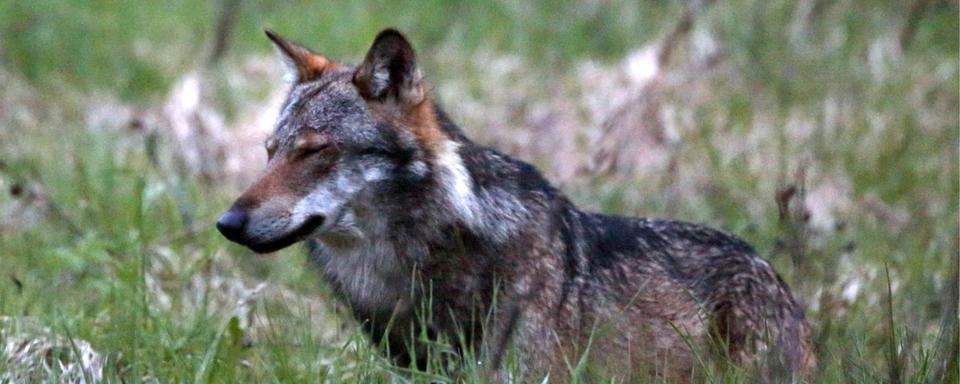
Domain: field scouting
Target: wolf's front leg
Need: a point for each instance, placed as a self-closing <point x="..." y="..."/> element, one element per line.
<point x="525" y="345"/>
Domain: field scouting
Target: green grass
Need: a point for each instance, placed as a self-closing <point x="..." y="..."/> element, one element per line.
<point x="884" y="128"/>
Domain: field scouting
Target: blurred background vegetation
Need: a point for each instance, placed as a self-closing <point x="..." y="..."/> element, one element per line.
<point x="824" y="132"/>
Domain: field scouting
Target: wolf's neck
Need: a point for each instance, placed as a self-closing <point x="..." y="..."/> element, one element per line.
<point x="491" y="211"/>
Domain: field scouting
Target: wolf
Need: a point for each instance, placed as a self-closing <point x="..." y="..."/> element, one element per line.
<point x="402" y="213"/>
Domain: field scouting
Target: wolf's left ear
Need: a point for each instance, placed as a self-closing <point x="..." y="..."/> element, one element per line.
<point x="302" y="64"/>
<point x="389" y="73"/>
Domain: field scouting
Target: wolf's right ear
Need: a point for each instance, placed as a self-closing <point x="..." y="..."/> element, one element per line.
<point x="389" y="73"/>
<point x="302" y="64"/>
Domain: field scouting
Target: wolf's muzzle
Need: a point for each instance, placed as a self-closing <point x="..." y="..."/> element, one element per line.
<point x="234" y="226"/>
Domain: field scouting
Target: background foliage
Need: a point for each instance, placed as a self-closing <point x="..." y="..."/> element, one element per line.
<point x="824" y="132"/>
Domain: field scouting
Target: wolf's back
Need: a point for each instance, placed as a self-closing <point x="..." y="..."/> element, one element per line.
<point x="749" y="309"/>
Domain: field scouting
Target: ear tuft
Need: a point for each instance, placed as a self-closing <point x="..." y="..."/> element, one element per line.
<point x="301" y="63"/>
<point x="389" y="73"/>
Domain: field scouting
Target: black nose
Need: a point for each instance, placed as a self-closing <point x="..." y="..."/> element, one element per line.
<point x="231" y="224"/>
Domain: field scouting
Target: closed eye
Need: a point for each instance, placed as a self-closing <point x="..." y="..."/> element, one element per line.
<point x="372" y="151"/>
<point x="310" y="143"/>
<point x="311" y="150"/>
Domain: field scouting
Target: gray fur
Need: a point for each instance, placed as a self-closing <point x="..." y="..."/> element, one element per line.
<point x="413" y="220"/>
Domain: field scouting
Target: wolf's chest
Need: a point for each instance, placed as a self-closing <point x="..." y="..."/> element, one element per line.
<point x="367" y="272"/>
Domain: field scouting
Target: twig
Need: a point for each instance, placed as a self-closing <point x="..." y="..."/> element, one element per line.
<point x="226" y="19"/>
<point x="917" y="10"/>
<point x="680" y="31"/>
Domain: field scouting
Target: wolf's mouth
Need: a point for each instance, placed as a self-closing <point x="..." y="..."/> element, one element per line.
<point x="282" y="242"/>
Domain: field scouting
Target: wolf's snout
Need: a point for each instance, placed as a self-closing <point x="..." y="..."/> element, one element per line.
<point x="231" y="224"/>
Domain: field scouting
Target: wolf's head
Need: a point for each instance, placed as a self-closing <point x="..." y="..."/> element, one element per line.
<point x="346" y="136"/>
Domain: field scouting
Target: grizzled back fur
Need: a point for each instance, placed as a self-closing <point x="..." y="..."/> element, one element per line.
<point x="402" y="212"/>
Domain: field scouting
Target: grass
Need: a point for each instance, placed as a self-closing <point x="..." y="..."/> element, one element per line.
<point x="106" y="240"/>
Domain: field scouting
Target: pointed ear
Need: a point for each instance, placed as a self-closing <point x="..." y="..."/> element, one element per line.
<point x="389" y="73"/>
<point x="302" y="64"/>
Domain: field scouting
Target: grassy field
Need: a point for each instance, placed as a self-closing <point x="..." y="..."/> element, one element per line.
<point x="825" y="133"/>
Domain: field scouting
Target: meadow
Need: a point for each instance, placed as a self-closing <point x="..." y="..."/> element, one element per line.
<point x="825" y="133"/>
